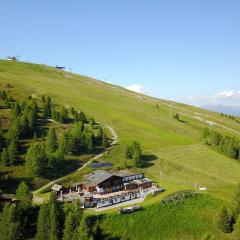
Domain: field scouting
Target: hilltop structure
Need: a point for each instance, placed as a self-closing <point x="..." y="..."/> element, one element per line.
<point x="104" y="188"/>
<point x="11" y="58"/>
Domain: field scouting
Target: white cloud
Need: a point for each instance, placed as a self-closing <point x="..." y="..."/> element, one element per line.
<point x="226" y="97"/>
<point x="136" y="88"/>
<point x="196" y="98"/>
<point x="228" y="94"/>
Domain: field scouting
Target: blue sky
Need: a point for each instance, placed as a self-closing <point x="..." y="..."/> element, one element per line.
<point x="182" y="50"/>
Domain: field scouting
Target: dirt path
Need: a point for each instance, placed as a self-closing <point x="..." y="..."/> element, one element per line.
<point x="200" y="118"/>
<point x="39" y="199"/>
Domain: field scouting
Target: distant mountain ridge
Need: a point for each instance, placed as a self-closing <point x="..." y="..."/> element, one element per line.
<point x="232" y="110"/>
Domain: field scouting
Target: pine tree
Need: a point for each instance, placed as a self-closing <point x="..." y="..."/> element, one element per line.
<point x="4" y="95"/>
<point x="91" y="122"/>
<point x="16" y="110"/>
<point x="69" y="228"/>
<point x="49" y="100"/>
<point x="55" y="231"/>
<point x="236" y="203"/>
<point x="176" y="116"/>
<point x="1" y="138"/>
<point x="51" y="141"/>
<point x="88" y="142"/>
<point x="23" y="194"/>
<point x="43" y="225"/>
<point x="82" y="117"/>
<point x="4" y="157"/>
<point x="105" y="142"/>
<point x="72" y="111"/>
<point x="83" y="231"/>
<point x="225" y="221"/>
<point x="215" y="138"/>
<point x="63" y="115"/>
<point x="35" y="160"/>
<point x="59" y="156"/>
<point x="132" y="148"/>
<point x="78" y="213"/>
<point x="46" y="110"/>
<point x="128" y="152"/>
<point x="99" y="134"/>
<point x="43" y="99"/>
<point x="64" y="143"/>
<point x="10" y="224"/>
<point x="231" y="151"/>
<point x="13" y="132"/>
<point x="137" y="158"/>
<point x="76" y="137"/>
<point x="74" y="215"/>
<point x="12" y="153"/>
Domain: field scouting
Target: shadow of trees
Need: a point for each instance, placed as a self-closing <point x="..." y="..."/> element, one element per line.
<point x="9" y="184"/>
<point x="96" y="230"/>
<point x="148" y="159"/>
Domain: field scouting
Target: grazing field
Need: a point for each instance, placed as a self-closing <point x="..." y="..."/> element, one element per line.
<point x="190" y="219"/>
<point x="174" y="151"/>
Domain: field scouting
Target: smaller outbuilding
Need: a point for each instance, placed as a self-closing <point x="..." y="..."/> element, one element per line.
<point x="57" y="189"/>
<point x="11" y="58"/>
<point x="7" y="199"/>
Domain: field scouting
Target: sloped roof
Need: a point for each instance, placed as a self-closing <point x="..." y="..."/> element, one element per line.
<point x="126" y="173"/>
<point x="99" y="176"/>
<point x="56" y="187"/>
<point x="7" y="196"/>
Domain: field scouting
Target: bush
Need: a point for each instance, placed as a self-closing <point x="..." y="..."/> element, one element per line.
<point x="225" y="221"/>
<point x="178" y="197"/>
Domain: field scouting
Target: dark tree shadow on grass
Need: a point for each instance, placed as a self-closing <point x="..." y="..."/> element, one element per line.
<point x="97" y="231"/>
<point x="148" y="160"/>
<point x="182" y="121"/>
<point x="3" y="107"/>
<point x="9" y="184"/>
<point x="67" y="167"/>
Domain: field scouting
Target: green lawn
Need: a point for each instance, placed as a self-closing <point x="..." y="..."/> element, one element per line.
<point x="190" y="219"/>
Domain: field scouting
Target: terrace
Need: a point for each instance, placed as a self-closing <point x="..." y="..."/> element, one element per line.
<point x="102" y="189"/>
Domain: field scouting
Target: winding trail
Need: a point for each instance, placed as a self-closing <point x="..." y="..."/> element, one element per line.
<point x="199" y="117"/>
<point x="38" y="199"/>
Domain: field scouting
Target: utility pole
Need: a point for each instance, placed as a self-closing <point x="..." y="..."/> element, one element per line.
<point x="161" y="177"/>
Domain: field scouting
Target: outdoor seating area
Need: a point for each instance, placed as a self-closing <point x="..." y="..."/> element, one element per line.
<point x="104" y="188"/>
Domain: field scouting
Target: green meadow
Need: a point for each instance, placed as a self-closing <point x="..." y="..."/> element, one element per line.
<point x="174" y="150"/>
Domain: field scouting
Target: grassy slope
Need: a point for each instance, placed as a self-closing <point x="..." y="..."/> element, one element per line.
<point x="188" y="220"/>
<point x="175" y="147"/>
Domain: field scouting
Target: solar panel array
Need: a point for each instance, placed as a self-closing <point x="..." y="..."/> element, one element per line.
<point x="102" y="164"/>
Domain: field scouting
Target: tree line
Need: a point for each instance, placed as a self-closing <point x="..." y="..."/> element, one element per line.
<point x="54" y="220"/>
<point x="228" y="145"/>
<point x="22" y="125"/>
<point x="7" y="99"/>
<point x="46" y="154"/>
<point x="58" y="221"/>
<point x="236" y="119"/>
<point x="229" y="218"/>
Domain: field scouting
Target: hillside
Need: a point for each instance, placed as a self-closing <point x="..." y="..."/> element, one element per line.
<point x="177" y="157"/>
